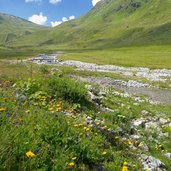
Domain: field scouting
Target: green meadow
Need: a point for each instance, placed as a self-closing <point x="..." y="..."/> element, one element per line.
<point x="144" y="56"/>
<point x="49" y="123"/>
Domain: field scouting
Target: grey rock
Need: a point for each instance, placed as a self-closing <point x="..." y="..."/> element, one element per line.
<point x="145" y="112"/>
<point x="139" y="122"/>
<point x="168" y="155"/>
<point x="103" y="93"/>
<point x="136" y="104"/>
<point x="161" y="134"/>
<point x="136" y="137"/>
<point x="151" y="163"/>
<point x="20" y="97"/>
<point x="108" y="110"/>
<point x="151" y="125"/>
<point x="163" y="121"/>
<point x="95" y="91"/>
<point x="94" y="98"/>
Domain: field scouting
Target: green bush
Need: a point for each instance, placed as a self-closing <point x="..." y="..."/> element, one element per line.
<point x="67" y="89"/>
<point x="28" y="87"/>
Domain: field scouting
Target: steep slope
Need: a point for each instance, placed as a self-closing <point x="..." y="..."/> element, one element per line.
<point x="12" y="27"/>
<point x="112" y="23"/>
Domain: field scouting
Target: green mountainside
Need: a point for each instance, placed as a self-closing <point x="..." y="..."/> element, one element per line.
<point x="12" y="28"/>
<point x="111" y="23"/>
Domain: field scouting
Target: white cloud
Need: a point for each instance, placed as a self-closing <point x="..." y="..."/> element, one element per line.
<point x="94" y="2"/>
<point x="38" y="19"/>
<point x="72" y="17"/>
<point x="64" y="19"/>
<point x="33" y="1"/>
<point x="54" y="1"/>
<point x="55" y="23"/>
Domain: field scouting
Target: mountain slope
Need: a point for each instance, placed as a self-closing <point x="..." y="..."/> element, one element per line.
<point x="12" y="27"/>
<point x="111" y="23"/>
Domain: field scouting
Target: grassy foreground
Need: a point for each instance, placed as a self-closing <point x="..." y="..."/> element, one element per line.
<point x="48" y="123"/>
<point x="44" y="127"/>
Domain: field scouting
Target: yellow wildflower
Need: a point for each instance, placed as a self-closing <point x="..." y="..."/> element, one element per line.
<point x="58" y="105"/>
<point x="50" y="109"/>
<point x="76" y="125"/>
<point x="74" y="158"/>
<point x="130" y="143"/>
<point x="81" y="133"/>
<point x="27" y="111"/>
<point x="125" y="163"/>
<point x="58" y="109"/>
<point x="104" y="153"/>
<point x="88" y="129"/>
<point x="125" y="168"/>
<point x="43" y="97"/>
<point x="30" y="154"/>
<point x="2" y="109"/>
<point x="73" y="116"/>
<point x="72" y="164"/>
<point x="156" y="147"/>
<point x="140" y="145"/>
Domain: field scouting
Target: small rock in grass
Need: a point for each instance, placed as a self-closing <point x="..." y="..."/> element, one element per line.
<point x="139" y="122"/>
<point x="136" y="104"/>
<point x="145" y="112"/>
<point x="168" y="155"/>
<point x="163" y="121"/>
<point x="151" y="125"/>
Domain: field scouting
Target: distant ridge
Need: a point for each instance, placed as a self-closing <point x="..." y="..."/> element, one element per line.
<point x="111" y="23"/>
<point x="12" y="27"/>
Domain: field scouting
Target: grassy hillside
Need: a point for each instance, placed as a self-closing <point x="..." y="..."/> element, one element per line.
<point x="14" y="27"/>
<point x="111" y="23"/>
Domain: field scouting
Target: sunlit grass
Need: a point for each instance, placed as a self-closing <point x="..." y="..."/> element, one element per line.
<point x="145" y="56"/>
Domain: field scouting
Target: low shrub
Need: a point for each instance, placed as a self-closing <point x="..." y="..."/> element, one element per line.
<point x="67" y="89"/>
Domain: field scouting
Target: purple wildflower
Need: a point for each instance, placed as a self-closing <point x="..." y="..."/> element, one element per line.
<point x="8" y="114"/>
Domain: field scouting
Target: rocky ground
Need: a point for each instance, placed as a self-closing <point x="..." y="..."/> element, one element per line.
<point x="154" y="94"/>
<point x="154" y="75"/>
<point x="148" y="122"/>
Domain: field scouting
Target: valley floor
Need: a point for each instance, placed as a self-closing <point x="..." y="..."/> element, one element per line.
<point x="131" y="117"/>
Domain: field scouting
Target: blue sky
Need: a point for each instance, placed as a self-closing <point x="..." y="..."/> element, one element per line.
<point x="47" y="12"/>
